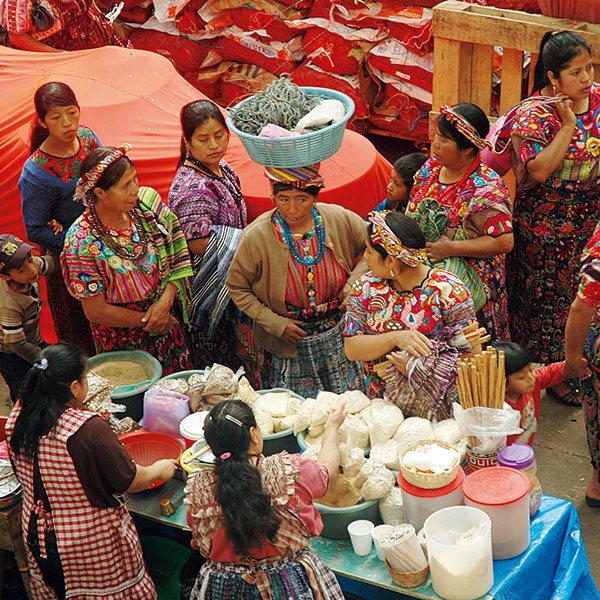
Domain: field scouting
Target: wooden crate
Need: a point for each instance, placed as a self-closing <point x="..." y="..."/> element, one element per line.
<point x="464" y="40"/>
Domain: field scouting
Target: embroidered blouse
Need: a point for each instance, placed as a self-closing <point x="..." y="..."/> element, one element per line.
<point x="480" y="207"/>
<point x="535" y="127"/>
<point x="200" y="201"/>
<point x="375" y="307"/>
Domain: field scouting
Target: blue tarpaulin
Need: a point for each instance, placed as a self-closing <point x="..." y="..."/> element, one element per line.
<point x="554" y="567"/>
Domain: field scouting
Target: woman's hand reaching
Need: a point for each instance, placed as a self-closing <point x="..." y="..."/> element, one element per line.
<point x="293" y="332"/>
<point x="55" y="226"/>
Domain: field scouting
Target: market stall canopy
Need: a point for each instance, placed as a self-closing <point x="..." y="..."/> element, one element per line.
<point x="135" y="96"/>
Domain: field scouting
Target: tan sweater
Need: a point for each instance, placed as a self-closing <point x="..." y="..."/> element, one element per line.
<point x="257" y="277"/>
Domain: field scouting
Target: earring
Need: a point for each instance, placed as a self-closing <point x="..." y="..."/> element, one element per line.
<point x="392" y="274"/>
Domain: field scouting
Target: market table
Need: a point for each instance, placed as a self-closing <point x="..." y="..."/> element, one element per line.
<point x="554" y="567"/>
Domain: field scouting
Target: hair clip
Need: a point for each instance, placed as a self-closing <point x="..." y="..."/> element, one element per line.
<point x="234" y="420"/>
<point x="225" y="455"/>
<point x="42" y="365"/>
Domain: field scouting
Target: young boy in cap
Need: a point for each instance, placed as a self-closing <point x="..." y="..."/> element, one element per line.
<point x="20" y="308"/>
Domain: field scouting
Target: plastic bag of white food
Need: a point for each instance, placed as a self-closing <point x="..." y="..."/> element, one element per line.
<point x="413" y="429"/>
<point x="391" y="508"/>
<point x="327" y="400"/>
<point x="273" y="403"/>
<point x="351" y="460"/>
<point x="283" y="424"/>
<point x="304" y="415"/>
<point x="447" y="431"/>
<point x="354" y="432"/>
<point x="264" y="421"/>
<point x="369" y="468"/>
<point x="388" y="453"/>
<point x="378" y="485"/>
<point x="311" y="453"/>
<point x="387" y="417"/>
<point x="355" y="401"/>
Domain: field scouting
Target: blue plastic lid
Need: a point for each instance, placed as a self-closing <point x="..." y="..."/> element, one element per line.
<point x="516" y="456"/>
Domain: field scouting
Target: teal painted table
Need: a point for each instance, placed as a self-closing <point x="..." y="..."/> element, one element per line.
<point x="554" y="566"/>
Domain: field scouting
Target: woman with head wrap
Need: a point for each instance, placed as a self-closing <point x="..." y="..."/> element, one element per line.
<point x="291" y="273"/>
<point x="126" y="259"/>
<point x="403" y="309"/>
<point x="463" y="208"/>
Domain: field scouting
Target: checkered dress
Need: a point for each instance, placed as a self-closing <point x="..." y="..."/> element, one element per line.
<point x="99" y="547"/>
<point x="297" y="572"/>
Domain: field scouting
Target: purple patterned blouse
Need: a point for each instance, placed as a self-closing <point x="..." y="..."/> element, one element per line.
<point x="200" y="201"/>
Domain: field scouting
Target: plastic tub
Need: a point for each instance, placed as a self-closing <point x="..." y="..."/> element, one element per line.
<point x="302" y="150"/>
<point x="191" y="428"/>
<point x="131" y="398"/>
<point x="164" y="559"/>
<point x="459" y="548"/>
<point x="419" y="503"/>
<point x="503" y="493"/>
<point x="336" y="520"/>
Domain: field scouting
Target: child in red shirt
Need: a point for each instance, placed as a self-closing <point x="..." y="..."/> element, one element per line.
<point x="524" y="387"/>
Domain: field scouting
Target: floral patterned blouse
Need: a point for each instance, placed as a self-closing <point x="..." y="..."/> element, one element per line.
<point x="200" y="201"/>
<point x="480" y="207"/>
<point x="375" y="307"/>
<point x="93" y="268"/>
<point x="537" y="125"/>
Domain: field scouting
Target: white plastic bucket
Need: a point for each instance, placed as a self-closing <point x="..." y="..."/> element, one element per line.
<point x="459" y="549"/>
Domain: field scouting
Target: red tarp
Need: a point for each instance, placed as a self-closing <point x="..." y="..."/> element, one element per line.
<point x="136" y="96"/>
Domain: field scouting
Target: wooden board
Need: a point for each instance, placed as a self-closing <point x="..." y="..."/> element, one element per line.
<point x="463" y="22"/>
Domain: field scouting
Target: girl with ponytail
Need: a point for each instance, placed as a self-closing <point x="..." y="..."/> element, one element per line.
<point x="59" y="144"/>
<point x="252" y="516"/>
<point x="73" y="468"/>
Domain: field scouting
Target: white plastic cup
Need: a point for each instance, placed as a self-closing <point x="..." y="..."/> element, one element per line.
<point x="360" y="535"/>
<point x="379" y="532"/>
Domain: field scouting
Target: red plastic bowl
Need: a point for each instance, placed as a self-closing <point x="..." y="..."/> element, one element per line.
<point x="146" y="447"/>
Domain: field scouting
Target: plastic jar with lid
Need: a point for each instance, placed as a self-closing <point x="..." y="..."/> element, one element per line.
<point x="522" y="457"/>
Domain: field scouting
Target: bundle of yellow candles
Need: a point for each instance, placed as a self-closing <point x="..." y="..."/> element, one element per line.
<point x="481" y="380"/>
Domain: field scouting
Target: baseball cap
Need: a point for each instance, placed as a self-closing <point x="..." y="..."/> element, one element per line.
<point x="13" y="251"/>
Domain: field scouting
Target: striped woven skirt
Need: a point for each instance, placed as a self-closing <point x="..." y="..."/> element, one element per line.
<point x="320" y="365"/>
<point x="283" y="579"/>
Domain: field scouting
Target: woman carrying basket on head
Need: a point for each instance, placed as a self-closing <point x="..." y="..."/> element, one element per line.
<point x="291" y="274"/>
<point x="252" y="517"/>
<point x="126" y="259"/>
<point x="463" y="208"/>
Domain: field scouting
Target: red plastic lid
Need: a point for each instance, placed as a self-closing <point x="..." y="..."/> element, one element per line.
<point x="496" y="486"/>
<point x="413" y="490"/>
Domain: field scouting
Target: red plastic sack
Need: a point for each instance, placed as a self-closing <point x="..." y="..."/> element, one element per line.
<point x="352" y="85"/>
<point x="276" y="57"/>
<point x="333" y="53"/>
<point x="532" y="6"/>
<point x="185" y="54"/>
<point x="392" y="57"/>
<point x="267" y="15"/>
<point x="401" y="122"/>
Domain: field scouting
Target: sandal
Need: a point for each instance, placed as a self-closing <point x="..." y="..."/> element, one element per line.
<point x="568" y="398"/>
<point x="592" y="502"/>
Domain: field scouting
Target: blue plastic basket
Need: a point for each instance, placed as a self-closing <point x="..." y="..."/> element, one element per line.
<point x="300" y="150"/>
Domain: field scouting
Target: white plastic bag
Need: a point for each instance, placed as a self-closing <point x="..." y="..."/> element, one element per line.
<point x="167" y="10"/>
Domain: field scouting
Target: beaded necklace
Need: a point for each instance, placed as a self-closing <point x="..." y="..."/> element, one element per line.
<point x="289" y="239"/>
<point x="105" y="235"/>
<point x="306" y="260"/>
